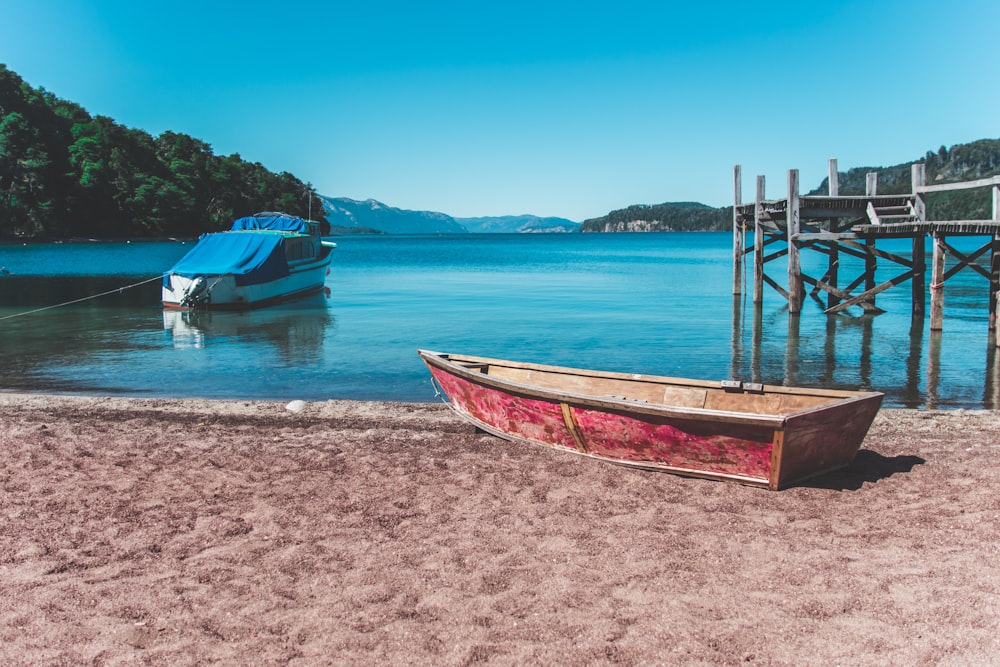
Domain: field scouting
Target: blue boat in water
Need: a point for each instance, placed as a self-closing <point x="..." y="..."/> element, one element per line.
<point x="266" y="258"/>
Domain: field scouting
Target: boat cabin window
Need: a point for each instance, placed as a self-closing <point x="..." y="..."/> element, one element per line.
<point x="299" y="249"/>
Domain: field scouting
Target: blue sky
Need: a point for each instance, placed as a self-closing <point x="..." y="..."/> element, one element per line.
<point x="502" y="108"/>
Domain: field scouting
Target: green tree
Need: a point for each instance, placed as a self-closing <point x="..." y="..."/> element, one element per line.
<point x="65" y="173"/>
<point x="24" y="165"/>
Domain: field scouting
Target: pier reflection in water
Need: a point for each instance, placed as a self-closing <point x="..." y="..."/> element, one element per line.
<point x="850" y="342"/>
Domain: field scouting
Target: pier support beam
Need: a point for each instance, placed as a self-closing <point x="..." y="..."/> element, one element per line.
<point x="995" y="288"/>
<point x="995" y="270"/>
<point x="833" y="256"/>
<point x="871" y="190"/>
<point x="737" y="231"/>
<point x="918" y="295"/>
<point x="795" y="289"/>
<point x="758" y="244"/>
<point x="937" y="283"/>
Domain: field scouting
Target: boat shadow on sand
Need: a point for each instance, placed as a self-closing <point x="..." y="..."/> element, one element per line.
<point x="867" y="467"/>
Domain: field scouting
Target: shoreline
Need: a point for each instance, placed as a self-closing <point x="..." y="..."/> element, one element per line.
<point x="313" y="407"/>
<point x="187" y="531"/>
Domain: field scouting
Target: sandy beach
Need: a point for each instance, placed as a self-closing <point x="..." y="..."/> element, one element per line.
<point x="180" y="532"/>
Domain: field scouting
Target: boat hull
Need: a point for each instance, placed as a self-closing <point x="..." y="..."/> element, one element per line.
<point x="772" y="437"/>
<point x="304" y="278"/>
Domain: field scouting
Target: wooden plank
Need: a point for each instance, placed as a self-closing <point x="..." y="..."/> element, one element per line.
<point x="768" y="225"/>
<point x="950" y="227"/>
<point x="854" y="283"/>
<point x="572" y="427"/>
<point x="776" y="255"/>
<point x="763" y="403"/>
<point x="813" y="212"/>
<point x="818" y="246"/>
<point x="777" y="449"/>
<point x="853" y="248"/>
<point x="872" y="214"/>
<point x="778" y="288"/>
<point x="828" y="278"/>
<point x="684" y="397"/>
<point x="869" y="293"/>
<point x="794" y="266"/>
<point x="608" y="387"/>
<point x="840" y="295"/>
<point x="966" y="185"/>
<point x="825" y="236"/>
<point x="852" y="201"/>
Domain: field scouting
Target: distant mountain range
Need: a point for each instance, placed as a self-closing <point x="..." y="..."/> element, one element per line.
<point x="350" y="216"/>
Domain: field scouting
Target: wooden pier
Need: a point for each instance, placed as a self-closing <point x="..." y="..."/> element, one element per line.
<point x="838" y="225"/>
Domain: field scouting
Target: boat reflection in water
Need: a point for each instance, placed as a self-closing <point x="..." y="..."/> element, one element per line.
<point x="296" y="329"/>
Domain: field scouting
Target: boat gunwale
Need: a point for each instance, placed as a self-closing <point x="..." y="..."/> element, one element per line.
<point x="776" y="421"/>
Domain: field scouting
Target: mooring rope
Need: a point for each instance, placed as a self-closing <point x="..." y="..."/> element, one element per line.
<point x="438" y="392"/>
<point x="86" y="298"/>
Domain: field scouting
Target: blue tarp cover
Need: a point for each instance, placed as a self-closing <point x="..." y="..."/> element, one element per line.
<point x="278" y="222"/>
<point x="252" y="258"/>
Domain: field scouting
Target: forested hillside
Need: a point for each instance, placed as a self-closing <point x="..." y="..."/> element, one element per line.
<point x="668" y="217"/>
<point x="962" y="162"/>
<point x="65" y="174"/>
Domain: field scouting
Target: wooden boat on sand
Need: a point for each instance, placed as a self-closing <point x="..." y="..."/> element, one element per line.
<point x="754" y="434"/>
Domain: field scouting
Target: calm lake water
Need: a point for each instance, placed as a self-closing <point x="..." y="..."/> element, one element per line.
<point x="649" y="303"/>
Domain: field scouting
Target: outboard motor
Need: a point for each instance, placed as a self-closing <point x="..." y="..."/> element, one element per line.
<point x="195" y="293"/>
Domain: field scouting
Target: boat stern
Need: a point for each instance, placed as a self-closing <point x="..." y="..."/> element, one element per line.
<point x="182" y="292"/>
